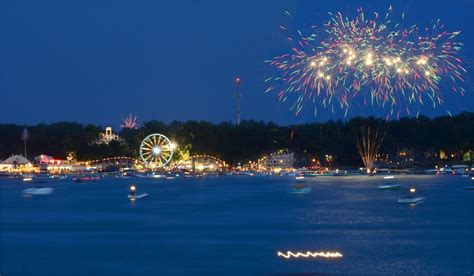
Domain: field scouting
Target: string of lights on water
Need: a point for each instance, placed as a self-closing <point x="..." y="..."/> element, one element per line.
<point x="309" y="254"/>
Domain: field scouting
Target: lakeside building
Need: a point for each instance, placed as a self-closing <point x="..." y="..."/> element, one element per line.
<point x="108" y="136"/>
<point x="278" y="161"/>
<point x="49" y="164"/>
<point x="17" y="164"/>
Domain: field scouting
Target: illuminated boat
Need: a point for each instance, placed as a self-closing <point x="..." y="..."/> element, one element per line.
<point x="133" y="195"/>
<point x="411" y="198"/>
<point x="27" y="177"/>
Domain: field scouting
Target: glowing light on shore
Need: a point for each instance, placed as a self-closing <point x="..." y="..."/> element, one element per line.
<point x="309" y="254"/>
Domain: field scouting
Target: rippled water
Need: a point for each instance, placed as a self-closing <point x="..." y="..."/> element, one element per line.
<point x="236" y="225"/>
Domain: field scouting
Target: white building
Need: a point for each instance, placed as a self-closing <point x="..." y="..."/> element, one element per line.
<point x="108" y="136"/>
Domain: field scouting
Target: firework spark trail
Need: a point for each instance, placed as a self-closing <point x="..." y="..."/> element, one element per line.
<point x="129" y="122"/>
<point x="309" y="254"/>
<point x="368" y="143"/>
<point x="349" y="63"/>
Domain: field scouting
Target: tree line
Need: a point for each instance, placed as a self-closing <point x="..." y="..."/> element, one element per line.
<point x="248" y="141"/>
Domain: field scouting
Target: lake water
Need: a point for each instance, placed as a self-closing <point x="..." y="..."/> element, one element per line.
<point x="236" y="225"/>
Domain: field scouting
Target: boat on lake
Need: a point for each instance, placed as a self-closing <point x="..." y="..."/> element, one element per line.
<point x="411" y="200"/>
<point x="389" y="187"/>
<point x="37" y="191"/>
<point x="300" y="188"/>
<point x="27" y="178"/>
<point x="411" y="197"/>
<point x="133" y="194"/>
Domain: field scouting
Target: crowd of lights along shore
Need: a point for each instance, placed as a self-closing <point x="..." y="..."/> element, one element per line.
<point x="369" y="60"/>
<point x="309" y="254"/>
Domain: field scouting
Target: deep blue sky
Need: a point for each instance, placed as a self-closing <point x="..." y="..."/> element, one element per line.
<point x="95" y="61"/>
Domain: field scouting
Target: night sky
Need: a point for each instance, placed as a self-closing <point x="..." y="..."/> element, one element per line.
<point x="96" y="61"/>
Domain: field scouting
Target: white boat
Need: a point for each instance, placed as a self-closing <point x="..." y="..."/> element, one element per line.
<point x="338" y="172"/>
<point x="389" y="177"/>
<point x="389" y="187"/>
<point x="27" y="177"/>
<point x="413" y="200"/>
<point x="38" y="191"/>
<point x="58" y="176"/>
<point x="134" y="197"/>
<point x="460" y="169"/>
<point x="446" y="171"/>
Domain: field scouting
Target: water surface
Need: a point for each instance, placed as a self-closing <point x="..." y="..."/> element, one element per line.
<point x="236" y="225"/>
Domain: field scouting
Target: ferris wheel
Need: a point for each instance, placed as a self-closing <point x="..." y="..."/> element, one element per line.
<point x="156" y="150"/>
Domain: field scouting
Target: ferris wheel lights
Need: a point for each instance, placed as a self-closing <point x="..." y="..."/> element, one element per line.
<point x="156" y="150"/>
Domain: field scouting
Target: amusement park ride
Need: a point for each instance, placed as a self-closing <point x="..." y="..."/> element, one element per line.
<point x="156" y="150"/>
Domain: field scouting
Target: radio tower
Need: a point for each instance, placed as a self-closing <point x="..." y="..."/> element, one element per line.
<point x="238" y="81"/>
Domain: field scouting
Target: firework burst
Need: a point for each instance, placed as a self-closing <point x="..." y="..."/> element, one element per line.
<point x="130" y="122"/>
<point x="351" y="63"/>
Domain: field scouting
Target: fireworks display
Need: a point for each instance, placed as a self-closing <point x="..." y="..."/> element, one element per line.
<point x="348" y="63"/>
<point x="368" y="143"/>
<point x="129" y="122"/>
